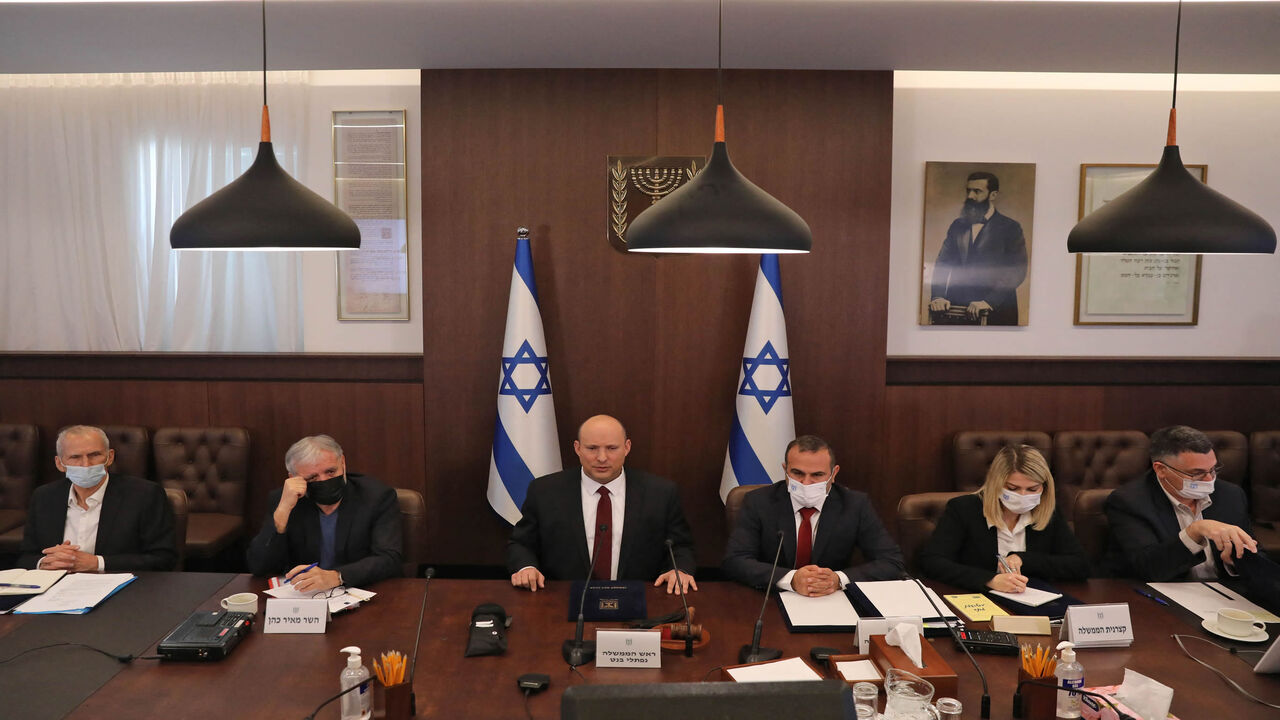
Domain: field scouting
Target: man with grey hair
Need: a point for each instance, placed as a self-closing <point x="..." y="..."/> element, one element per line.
<point x="327" y="527"/>
<point x="1179" y="520"/>
<point x="92" y="521"/>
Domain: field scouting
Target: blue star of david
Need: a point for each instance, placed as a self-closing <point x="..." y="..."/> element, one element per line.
<point x="525" y="396"/>
<point x="766" y="357"/>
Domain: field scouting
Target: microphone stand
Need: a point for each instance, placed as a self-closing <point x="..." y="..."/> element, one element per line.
<point x="413" y="665"/>
<point x="688" y="621"/>
<point x="986" y="696"/>
<point x="578" y="651"/>
<point x="753" y="653"/>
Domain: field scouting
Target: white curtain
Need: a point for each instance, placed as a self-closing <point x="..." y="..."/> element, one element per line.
<point x="94" y="169"/>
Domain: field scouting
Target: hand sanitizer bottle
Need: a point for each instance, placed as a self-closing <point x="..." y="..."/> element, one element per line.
<point x="355" y="704"/>
<point x="1070" y="675"/>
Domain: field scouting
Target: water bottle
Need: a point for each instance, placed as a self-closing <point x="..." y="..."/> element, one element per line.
<point x="355" y="704"/>
<point x="1070" y="675"/>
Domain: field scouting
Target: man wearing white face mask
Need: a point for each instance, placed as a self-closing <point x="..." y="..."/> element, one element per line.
<point x="1178" y="520"/>
<point x="822" y="524"/>
<point x="93" y="521"/>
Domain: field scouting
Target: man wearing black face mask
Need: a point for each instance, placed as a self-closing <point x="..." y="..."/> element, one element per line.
<point x="983" y="259"/>
<point x="347" y="525"/>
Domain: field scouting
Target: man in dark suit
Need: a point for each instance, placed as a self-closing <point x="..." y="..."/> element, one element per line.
<point x="822" y="525"/>
<point x="347" y="525"/>
<point x="93" y="521"/>
<point x="983" y="259"/>
<point x="1178" y="521"/>
<point x="632" y="514"/>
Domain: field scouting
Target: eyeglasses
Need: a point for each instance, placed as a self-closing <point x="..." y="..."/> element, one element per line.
<point x="1198" y="475"/>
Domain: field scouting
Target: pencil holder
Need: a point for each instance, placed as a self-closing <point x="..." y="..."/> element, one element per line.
<point x="391" y="703"/>
<point x="1039" y="702"/>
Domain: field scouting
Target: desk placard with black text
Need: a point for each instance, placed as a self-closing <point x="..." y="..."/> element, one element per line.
<point x="287" y="615"/>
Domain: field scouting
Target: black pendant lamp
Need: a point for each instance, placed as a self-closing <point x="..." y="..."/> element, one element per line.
<point x="719" y="210"/>
<point x="264" y="209"/>
<point x="1171" y="211"/>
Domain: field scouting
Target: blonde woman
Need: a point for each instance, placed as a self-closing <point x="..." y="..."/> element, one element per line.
<point x="1006" y="531"/>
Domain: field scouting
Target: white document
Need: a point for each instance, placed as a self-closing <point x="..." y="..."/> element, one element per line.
<point x="1204" y="599"/>
<point x="76" y="594"/>
<point x="43" y="579"/>
<point x="340" y="598"/>
<point x="832" y="610"/>
<point x="903" y="597"/>
<point x="776" y="671"/>
<point x="1030" y="597"/>
<point x="858" y="670"/>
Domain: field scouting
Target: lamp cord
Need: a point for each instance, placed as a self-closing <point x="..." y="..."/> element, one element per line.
<point x="264" y="54"/>
<point x="1177" y="42"/>
<point x="719" y="51"/>
<point x="1178" y="637"/>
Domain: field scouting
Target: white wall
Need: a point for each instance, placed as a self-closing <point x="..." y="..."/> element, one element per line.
<point x="1234" y="133"/>
<point x="361" y="90"/>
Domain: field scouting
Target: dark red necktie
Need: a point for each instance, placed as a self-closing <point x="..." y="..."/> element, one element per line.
<point x="602" y="548"/>
<point x="804" y="538"/>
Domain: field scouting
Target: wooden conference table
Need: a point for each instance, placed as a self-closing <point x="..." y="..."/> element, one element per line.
<point x="287" y="676"/>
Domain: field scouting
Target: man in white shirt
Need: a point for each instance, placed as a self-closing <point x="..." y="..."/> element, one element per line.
<point x="92" y="521"/>
<point x="1179" y="520"/>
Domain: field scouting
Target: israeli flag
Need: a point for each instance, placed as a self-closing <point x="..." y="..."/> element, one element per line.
<point x="525" y="445"/>
<point x="763" y="422"/>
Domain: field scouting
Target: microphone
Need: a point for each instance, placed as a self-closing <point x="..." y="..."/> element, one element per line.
<point x="986" y="696"/>
<point x="413" y="665"/>
<point x="753" y="653"/>
<point x="688" y="620"/>
<point x="578" y="651"/>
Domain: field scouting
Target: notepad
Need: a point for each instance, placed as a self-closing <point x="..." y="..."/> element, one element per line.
<point x="828" y="612"/>
<point x="1030" y="597"/>
<point x="903" y="597"/>
<point x="776" y="671"/>
<point x="42" y="579"/>
<point x="975" y="607"/>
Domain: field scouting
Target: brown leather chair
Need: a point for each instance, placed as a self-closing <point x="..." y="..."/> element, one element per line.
<point x="733" y="505"/>
<point x="1092" y="528"/>
<point x="133" y="450"/>
<point x="973" y="451"/>
<point x="413" y="529"/>
<point x="1232" y="449"/>
<point x="1264" y="487"/>
<point x="1085" y="459"/>
<point x="19" y="451"/>
<point x="211" y="466"/>
<point x="178" y="501"/>
<point x="917" y="517"/>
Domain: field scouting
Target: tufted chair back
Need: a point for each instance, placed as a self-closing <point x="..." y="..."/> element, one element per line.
<point x="917" y="517"/>
<point x="133" y="449"/>
<point x="19" y="450"/>
<point x="211" y="467"/>
<point x="973" y="451"/>
<point x="1097" y="459"/>
<point x="178" y="501"/>
<point x="1092" y="527"/>
<point x="1232" y="449"/>
<point x="413" y="528"/>
<point x="733" y="505"/>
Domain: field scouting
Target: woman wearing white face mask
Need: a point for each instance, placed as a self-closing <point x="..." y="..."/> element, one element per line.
<point x="1013" y="517"/>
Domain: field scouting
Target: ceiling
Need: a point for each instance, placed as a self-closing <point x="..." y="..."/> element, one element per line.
<point x="991" y="35"/>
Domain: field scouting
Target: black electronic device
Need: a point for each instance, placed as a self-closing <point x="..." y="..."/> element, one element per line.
<point x="533" y="682"/>
<point x="821" y="654"/>
<point x="206" y="635"/>
<point x="992" y="642"/>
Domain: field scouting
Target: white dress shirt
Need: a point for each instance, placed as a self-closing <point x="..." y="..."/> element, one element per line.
<point x="1206" y="570"/>
<point x="784" y="583"/>
<point x="82" y="525"/>
<point x="1011" y="540"/>
<point x="617" y="499"/>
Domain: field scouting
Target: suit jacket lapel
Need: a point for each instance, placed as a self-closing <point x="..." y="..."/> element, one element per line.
<point x="828" y="525"/>
<point x="571" y="501"/>
<point x="108" y="520"/>
<point x="631" y="512"/>
<point x="346" y="514"/>
<point x="786" y="519"/>
<point x="1165" y="515"/>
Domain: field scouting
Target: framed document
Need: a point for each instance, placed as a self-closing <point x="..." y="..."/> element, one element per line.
<point x="1132" y="289"/>
<point x="369" y="183"/>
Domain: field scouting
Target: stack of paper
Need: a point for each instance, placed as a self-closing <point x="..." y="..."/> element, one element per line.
<point x="76" y="594"/>
<point x="827" y="612"/>
<point x="1030" y="597"/>
<point x="1205" y="598"/>
<point x="340" y="598"/>
<point x="903" y="597"/>
<point x="776" y="671"/>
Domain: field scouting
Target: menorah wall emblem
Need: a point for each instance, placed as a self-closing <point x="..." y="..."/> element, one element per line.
<point x="633" y="178"/>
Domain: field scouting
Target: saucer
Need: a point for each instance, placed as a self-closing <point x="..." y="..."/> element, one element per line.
<point x="1255" y="636"/>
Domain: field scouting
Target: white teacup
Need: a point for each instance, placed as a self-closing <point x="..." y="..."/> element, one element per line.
<point x="1238" y="622"/>
<point x="245" y="602"/>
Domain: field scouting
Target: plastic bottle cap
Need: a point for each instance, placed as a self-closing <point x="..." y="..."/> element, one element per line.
<point x="353" y="659"/>
<point x="1066" y="647"/>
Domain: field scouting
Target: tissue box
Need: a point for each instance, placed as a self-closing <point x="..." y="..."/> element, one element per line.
<point x="1095" y="709"/>
<point x="935" y="669"/>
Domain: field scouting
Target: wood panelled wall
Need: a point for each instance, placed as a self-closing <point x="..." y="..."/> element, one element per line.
<point x="656" y="341"/>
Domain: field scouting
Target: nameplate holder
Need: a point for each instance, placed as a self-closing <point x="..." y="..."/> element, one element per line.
<point x="1106" y="625"/>
<point x="629" y="648"/>
<point x="286" y="615"/>
<point x="869" y="626"/>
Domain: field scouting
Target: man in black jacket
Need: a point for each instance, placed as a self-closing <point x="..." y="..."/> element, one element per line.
<point x="822" y="525"/>
<point x="348" y="525"/>
<point x="631" y="514"/>
<point x="1178" y="521"/>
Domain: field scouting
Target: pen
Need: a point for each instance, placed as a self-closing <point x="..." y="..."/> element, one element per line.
<point x="1216" y="590"/>
<point x="1144" y="593"/>
<point x="305" y="569"/>
<point x="1004" y="566"/>
<point x="18" y="585"/>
